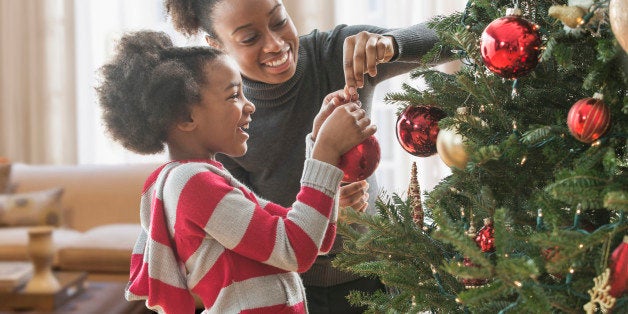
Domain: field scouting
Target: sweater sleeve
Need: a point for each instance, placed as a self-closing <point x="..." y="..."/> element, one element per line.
<point x="238" y="221"/>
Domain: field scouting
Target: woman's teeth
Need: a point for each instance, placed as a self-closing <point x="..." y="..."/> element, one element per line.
<point x="279" y="62"/>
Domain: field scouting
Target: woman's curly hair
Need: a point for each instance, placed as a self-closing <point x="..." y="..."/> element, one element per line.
<point x="149" y="86"/>
<point x="190" y="16"/>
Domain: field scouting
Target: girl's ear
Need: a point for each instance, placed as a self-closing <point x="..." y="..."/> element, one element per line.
<point x="213" y="42"/>
<point x="186" y="125"/>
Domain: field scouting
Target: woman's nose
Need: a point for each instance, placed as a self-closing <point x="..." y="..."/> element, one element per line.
<point x="274" y="42"/>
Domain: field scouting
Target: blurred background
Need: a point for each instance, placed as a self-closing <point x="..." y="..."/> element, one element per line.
<point x="51" y="50"/>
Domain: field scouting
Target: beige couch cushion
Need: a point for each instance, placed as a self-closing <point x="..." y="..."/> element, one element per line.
<point x="14" y="242"/>
<point x="94" y="195"/>
<point x="102" y="249"/>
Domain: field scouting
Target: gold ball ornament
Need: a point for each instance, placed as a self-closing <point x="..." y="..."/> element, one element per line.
<point x="451" y="149"/>
<point x="618" y="14"/>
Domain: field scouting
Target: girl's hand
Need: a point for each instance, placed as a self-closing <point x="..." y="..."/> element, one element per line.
<point x="345" y="127"/>
<point x="354" y="195"/>
<point x="362" y="53"/>
<point x="330" y="102"/>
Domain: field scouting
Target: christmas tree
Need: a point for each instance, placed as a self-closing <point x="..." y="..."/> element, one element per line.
<point x="533" y="126"/>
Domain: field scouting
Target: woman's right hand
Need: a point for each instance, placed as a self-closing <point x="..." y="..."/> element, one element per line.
<point x="347" y="126"/>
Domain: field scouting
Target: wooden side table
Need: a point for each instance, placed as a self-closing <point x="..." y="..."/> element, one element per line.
<point x="79" y="296"/>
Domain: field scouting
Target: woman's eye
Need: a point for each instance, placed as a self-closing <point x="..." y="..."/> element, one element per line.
<point x="281" y="23"/>
<point x="249" y="40"/>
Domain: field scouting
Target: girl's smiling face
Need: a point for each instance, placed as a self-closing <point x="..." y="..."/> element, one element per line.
<point x="260" y="36"/>
<point x="224" y="114"/>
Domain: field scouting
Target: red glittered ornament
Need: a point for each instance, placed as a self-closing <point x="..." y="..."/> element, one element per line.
<point x="619" y="269"/>
<point x="417" y="129"/>
<point x="588" y="119"/>
<point x="510" y="46"/>
<point x="361" y="161"/>
<point x="485" y="238"/>
<point x="472" y="282"/>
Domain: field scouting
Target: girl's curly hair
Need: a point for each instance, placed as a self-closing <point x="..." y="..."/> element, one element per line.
<point x="149" y="86"/>
<point x="190" y="16"/>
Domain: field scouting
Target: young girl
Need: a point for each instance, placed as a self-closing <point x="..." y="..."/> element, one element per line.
<point x="203" y="232"/>
<point x="286" y="76"/>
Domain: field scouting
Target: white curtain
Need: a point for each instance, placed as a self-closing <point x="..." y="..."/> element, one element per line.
<point x="37" y="112"/>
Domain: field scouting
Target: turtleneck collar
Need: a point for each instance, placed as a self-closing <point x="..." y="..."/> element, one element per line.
<point x="265" y="95"/>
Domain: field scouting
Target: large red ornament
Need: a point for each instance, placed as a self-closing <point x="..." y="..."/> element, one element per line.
<point x="361" y="161"/>
<point x="486" y="236"/>
<point x="417" y="129"/>
<point x="588" y="119"/>
<point x="510" y="46"/>
<point x="619" y="269"/>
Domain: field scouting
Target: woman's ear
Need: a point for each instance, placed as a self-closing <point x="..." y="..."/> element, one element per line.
<point x="213" y="42"/>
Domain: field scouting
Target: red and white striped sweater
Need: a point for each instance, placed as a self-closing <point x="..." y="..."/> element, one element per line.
<point x="205" y="233"/>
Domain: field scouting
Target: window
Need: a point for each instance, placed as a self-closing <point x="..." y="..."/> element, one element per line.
<point x="98" y="26"/>
<point x="100" y="23"/>
<point x="393" y="172"/>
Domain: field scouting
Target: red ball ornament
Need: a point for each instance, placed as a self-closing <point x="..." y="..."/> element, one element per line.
<point x="417" y="129"/>
<point x="361" y="161"/>
<point x="485" y="238"/>
<point x="619" y="269"/>
<point x="588" y="119"/>
<point x="510" y="46"/>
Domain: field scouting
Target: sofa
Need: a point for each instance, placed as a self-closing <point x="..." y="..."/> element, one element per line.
<point x="94" y="210"/>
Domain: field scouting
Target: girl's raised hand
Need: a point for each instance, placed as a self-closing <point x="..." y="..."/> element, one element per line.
<point x="362" y="53"/>
<point x="330" y="102"/>
<point x="345" y="127"/>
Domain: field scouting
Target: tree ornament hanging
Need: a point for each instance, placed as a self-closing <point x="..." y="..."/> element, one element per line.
<point x="361" y="161"/>
<point x="571" y="16"/>
<point x="588" y="119"/>
<point x="599" y="294"/>
<point x="472" y="282"/>
<point x="618" y="15"/>
<point x="619" y="269"/>
<point x="485" y="238"/>
<point x="417" y="129"/>
<point x="510" y="45"/>
<point x="450" y="146"/>
<point x="414" y="193"/>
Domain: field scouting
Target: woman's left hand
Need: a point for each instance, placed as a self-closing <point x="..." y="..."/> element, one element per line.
<point x="362" y="53"/>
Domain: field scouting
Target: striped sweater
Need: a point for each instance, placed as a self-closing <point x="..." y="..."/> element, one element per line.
<point x="206" y="234"/>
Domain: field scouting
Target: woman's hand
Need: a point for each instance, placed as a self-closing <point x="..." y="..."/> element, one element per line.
<point x="354" y="195"/>
<point x="361" y="54"/>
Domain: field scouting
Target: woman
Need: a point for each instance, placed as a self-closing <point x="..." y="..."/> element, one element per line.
<point x="286" y="76"/>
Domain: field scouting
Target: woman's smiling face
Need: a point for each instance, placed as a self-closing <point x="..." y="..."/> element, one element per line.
<point x="260" y="36"/>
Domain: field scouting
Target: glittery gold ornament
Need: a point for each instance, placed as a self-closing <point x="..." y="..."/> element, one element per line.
<point x="571" y="16"/>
